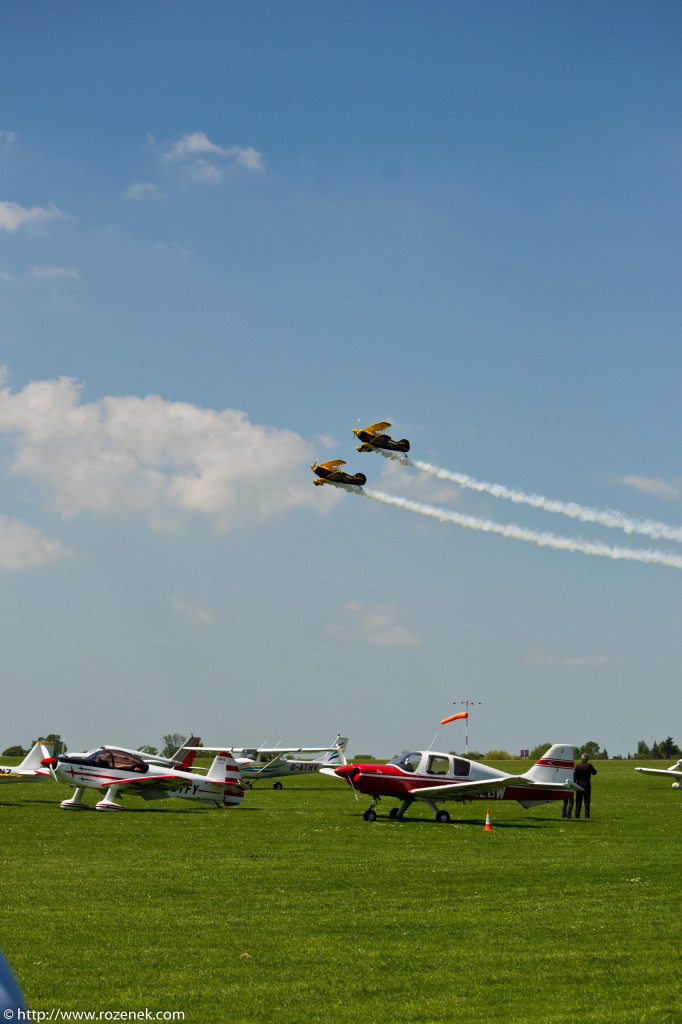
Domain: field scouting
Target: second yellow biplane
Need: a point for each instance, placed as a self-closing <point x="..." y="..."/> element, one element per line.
<point x="329" y="473"/>
<point x="373" y="437"/>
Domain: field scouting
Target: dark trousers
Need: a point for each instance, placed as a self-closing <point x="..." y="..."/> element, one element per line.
<point x="567" y="807"/>
<point x="579" y="797"/>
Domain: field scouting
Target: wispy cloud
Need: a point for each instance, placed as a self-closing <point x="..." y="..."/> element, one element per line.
<point x="139" y="189"/>
<point x="13" y="216"/>
<point x="193" y="615"/>
<point x="376" y="625"/>
<point x="206" y="161"/>
<point x="43" y="272"/>
<point x="8" y="136"/>
<point x="22" y="546"/>
<point x="151" y="457"/>
<point x="543" y="660"/>
<point x="653" y="485"/>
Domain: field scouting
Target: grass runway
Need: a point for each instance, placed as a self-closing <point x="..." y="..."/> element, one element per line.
<point x="542" y="921"/>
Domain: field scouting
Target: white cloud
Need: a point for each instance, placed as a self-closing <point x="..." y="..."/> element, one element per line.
<point x="148" y="456"/>
<point x="13" y="216"/>
<point x="8" y="136"/>
<point x="375" y="624"/>
<point x="139" y="189"/>
<point x="24" y="547"/>
<point x="43" y="272"/>
<point x="652" y="485"/>
<point x="203" y="172"/>
<point x="193" y="615"/>
<point x="205" y="160"/>
<point x="542" y="660"/>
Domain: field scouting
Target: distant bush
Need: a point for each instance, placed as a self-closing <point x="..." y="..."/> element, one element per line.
<point x="16" y="751"/>
<point x="499" y="755"/>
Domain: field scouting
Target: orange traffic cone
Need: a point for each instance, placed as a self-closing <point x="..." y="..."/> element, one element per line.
<point x="488" y="827"/>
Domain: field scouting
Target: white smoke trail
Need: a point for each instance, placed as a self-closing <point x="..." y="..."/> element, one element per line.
<point x="649" y="555"/>
<point x="586" y="514"/>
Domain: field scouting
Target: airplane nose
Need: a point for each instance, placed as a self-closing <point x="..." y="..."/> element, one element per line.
<point x="347" y="771"/>
<point x="49" y="762"/>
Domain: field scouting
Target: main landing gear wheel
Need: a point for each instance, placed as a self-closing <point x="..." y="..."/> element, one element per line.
<point x="394" y="812"/>
<point x="277" y="785"/>
<point x="370" y="815"/>
<point x="443" y="817"/>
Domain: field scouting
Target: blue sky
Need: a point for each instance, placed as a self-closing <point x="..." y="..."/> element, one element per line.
<point x="227" y="233"/>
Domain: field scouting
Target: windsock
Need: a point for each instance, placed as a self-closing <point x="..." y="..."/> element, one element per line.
<point x="460" y="714"/>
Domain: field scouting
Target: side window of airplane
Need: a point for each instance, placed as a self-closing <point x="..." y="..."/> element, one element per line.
<point x="129" y="762"/>
<point x="438" y="764"/>
<point x="102" y="757"/>
<point x="461" y="767"/>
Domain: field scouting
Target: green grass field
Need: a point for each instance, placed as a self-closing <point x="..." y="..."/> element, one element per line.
<point x="347" y="921"/>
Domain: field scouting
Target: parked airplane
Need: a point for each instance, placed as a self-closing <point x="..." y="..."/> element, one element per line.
<point x="433" y="777"/>
<point x="673" y="772"/>
<point x="374" y="437"/>
<point x="258" y="763"/>
<point x="116" y="770"/>
<point x="30" y="769"/>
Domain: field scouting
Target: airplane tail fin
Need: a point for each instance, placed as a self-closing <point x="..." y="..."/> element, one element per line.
<point x="337" y="756"/>
<point x="224" y="781"/>
<point x="224" y="769"/>
<point x="555" y="766"/>
<point x="35" y="756"/>
<point x="183" y="758"/>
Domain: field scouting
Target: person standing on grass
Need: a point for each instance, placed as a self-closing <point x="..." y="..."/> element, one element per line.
<point x="582" y="775"/>
<point x="567" y="806"/>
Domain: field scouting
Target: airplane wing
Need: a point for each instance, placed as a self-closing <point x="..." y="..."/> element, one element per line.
<point x="666" y="772"/>
<point x="150" y="782"/>
<point x="464" y="789"/>
<point x="374" y="428"/>
<point x="271" y="750"/>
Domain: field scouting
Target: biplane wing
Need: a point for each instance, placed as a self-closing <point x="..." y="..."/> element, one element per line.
<point x="330" y="473"/>
<point x="373" y="437"/>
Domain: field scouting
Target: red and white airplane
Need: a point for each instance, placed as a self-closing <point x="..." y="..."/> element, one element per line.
<point x="119" y="771"/>
<point x="433" y="777"/>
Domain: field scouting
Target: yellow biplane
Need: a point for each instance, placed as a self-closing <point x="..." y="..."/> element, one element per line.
<point x="373" y="437"/>
<point x="329" y="473"/>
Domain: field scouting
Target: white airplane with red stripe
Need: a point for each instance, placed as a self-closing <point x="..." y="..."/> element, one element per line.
<point x="114" y="770"/>
<point x="432" y="778"/>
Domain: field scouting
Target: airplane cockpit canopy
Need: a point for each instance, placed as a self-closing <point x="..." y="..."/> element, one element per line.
<point x="111" y="757"/>
<point x="408" y="762"/>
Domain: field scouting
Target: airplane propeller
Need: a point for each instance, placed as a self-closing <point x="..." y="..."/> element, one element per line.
<point x="50" y="762"/>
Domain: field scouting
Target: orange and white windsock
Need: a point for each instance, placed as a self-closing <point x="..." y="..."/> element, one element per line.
<point x="460" y="714"/>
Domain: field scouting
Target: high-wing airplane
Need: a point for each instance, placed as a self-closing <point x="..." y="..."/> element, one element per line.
<point x="374" y="437"/>
<point x="433" y="777"/>
<point x="673" y="772"/>
<point x="329" y="473"/>
<point x="256" y="763"/>
<point x="119" y="771"/>
<point x="30" y="769"/>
